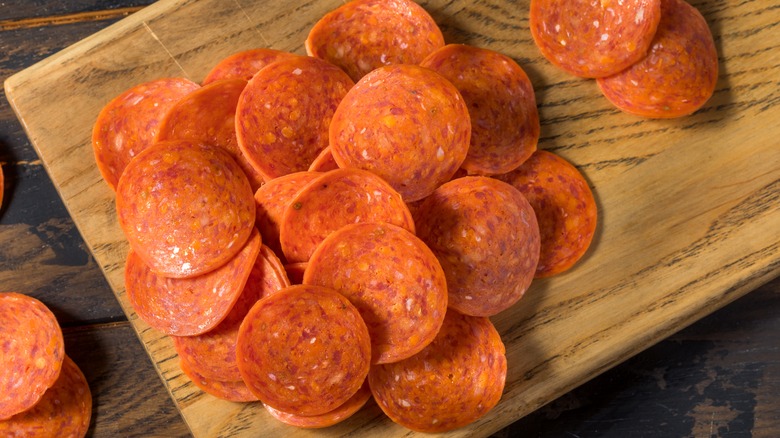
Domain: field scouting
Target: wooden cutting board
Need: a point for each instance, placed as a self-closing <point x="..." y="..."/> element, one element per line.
<point x="689" y="208"/>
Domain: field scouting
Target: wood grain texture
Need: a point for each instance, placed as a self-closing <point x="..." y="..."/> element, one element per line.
<point x="689" y="215"/>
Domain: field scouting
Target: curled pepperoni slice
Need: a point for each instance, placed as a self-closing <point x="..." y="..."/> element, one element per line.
<point x="484" y="233"/>
<point x="679" y="73"/>
<point x="230" y="390"/>
<point x="594" y="38"/>
<point x="188" y="306"/>
<point x="324" y="162"/>
<point x="32" y="350"/>
<point x="303" y="350"/>
<point x="392" y="278"/>
<point x="128" y="123"/>
<point x="564" y="206"/>
<point x="363" y="35"/>
<point x="282" y="125"/>
<point x="327" y="419"/>
<point x="185" y="208"/>
<point x="407" y="124"/>
<point x="454" y="381"/>
<point x="245" y="64"/>
<point x="500" y="97"/>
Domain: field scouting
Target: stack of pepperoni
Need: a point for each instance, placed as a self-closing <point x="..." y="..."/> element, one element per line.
<point x="394" y="179"/>
<point x="653" y="58"/>
<point x="42" y="391"/>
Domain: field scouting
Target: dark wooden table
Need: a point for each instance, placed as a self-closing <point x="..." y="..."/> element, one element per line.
<point x="719" y="377"/>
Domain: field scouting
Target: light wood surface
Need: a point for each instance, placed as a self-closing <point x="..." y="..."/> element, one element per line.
<point x="689" y="216"/>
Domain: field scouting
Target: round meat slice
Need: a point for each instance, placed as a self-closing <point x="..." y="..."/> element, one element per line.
<point x="392" y="278"/>
<point x="592" y="39"/>
<point x="284" y="112"/>
<point x="244" y="65"/>
<point x="679" y="73"/>
<point x="32" y="350"/>
<point x="208" y="115"/>
<point x="484" y="233"/>
<point x="407" y="124"/>
<point x="324" y="162"/>
<point x="337" y="198"/>
<point x="188" y="306"/>
<point x="564" y="206"/>
<point x="454" y="381"/>
<point x="128" y="123"/>
<point x="185" y="208"/>
<point x="295" y="271"/>
<point x="64" y="410"/>
<point x="363" y="35"/>
<point x="327" y="419"/>
<point x="234" y="391"/>
<point x="500" y="97"/>
<point x="303" y="350"/>
<point x="272" y="200"/>
<point x="213" y="354"/>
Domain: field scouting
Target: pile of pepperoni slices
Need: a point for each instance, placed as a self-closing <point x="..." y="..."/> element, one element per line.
<point x="42" y="391"/>
<point x="314" y="231"/>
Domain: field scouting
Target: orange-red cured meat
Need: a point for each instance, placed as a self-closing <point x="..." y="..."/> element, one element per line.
<point x="272" y="200"/>
<point x="337" y="198"/>
<point x="188" y="306"/>
<point x="484" y="233"/>
<point x="185" y="208"/>
<point x="363" y="35"/>
<point x="327" y="419"/>
<point x="2" y="184"/>
<point x="679" y="73"/>
<point x="392" y="278"/>
<point x="244" y="65"/>
<point x="295" y="271"/>
<point x="501" y="102"/>
<point x="405" y="123"/>
<point x="207" y="115"/>
<point x="213" y="354"/>
<point x="564" y="206"/>
<point x="31" y="352"/>
<point x="235" y="391"/>
<point x="128" y="123"/>
<point x="284" y="112"/>
<point x="304" y="350"/>
<point x="592" y="39"/>
<point x="324" y="162"/>
<point x="454" y="381"/>
<point x="63" y="411"/>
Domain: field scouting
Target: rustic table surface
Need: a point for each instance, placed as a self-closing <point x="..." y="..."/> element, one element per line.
<point x="718" y="377"/>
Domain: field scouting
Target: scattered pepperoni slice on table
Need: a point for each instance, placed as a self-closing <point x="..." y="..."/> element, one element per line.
<point x="679" y="73"/>
<point x="32" y="351"/>
<point x="245" y="64"/>
<point x="363" y="35"/>
<point x="185" y="208"/>
<point x="327" y="419"/>
<point x="594" y="38"/>
<point x="128" y="123"/>
<point x="502" y="105"/>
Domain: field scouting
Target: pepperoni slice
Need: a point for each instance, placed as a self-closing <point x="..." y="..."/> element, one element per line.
<point x="64" y="410"/>
<point x="2" y="185"/>
<point x="335" y="199"/>
<point x="295" y="271"/>
<point x="363" y="35"/>
<point x="501" y="102"/>
<point x="128" y="123"/>
<point x="282" y="125"/>
<point x="392" y="278"/>
<point x="188" y="306"/>
<point x="32" y="350"/>
<point x="324" y="162"/>
<point x="679" y="73"/>
<point x="272" y="200"/>
<point x="327" y="419"/>
<point x="484" y="233"/>
<point x="304" y="350"/>
<point x="594" y="39"/>
<point x="244" y="65"/>
<point x="405" y="123"/>
<point x="564" y="206"/>
<point x="207" y="115"/>
<point x="235" y="391"/>
<point x="185" y="208"/>
<point x="454" y="381"/>
<point x="212" y="355"/>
